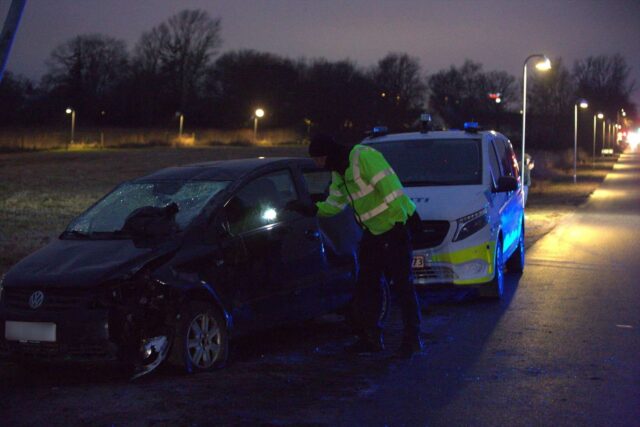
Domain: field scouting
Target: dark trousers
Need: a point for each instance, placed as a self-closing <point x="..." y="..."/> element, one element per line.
<point x="387" y="256"/>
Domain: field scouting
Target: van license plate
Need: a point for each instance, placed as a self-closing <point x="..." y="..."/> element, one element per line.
<point x="30" y="331"/>
<point x="418" y="262"/>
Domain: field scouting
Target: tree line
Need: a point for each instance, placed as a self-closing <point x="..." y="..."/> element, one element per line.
<point x="176" y="68"/>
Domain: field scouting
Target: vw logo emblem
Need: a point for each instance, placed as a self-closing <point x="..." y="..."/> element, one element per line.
<point x="36" y="299"/>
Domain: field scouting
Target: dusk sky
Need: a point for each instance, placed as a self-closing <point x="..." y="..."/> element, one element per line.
<point x="497" y="33"/>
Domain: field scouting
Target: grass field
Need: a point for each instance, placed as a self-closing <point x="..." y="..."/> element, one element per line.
<point x="41" y="192"/>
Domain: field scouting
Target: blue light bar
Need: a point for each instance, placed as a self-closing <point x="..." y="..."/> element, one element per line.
<point x="471" y="126"/>
<point x="380" y="130"/>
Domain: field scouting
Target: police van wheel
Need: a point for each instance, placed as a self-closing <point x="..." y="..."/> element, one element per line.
<point x="202" y="339"/>
<point x="515" y="264"/>
<point x="495" y="288"/>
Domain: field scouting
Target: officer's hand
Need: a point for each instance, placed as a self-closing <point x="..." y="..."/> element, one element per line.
<point x="307" y="209"/>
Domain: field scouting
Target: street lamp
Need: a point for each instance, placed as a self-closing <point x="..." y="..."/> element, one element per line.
<point x="180" y="125"/>
<point x="73" y="123"/>
<point x="593" y="157"/>
<point x="258" y="114"/>
<point x="583" y="104"/>
<point x="543" y="64"/>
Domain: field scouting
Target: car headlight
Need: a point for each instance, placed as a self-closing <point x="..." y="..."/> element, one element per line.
<point x="469" y="224"/>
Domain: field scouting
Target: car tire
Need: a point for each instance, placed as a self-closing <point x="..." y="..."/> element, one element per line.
<point x="201" y="341"/>
<point x="515" y="264"/>
<point x="495" y="288"/>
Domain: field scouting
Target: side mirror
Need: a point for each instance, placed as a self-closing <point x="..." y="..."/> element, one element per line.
<point x="506" y="184"/>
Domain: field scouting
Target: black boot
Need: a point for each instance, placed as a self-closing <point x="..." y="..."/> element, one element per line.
<point x="411" y="344"/>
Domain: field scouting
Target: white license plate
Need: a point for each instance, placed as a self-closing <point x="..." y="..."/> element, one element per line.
<point x="29" y="331"/>
<point x="418" y="262"/>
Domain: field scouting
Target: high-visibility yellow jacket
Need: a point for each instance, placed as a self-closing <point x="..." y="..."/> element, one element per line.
<point x="373" y="190"/>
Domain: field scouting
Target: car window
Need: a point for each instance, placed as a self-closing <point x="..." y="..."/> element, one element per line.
<point x="261" y="202"/>
<point x="505" y="157"/>
<point x="433" y="162"/>
<point x="317" y="183"/>
<point x="494" y="165"/>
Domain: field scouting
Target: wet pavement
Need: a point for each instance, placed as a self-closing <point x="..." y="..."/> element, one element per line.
<point x="562" y="348"/>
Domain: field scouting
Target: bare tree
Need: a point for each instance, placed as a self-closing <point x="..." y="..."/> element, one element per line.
<point x="85" y="71"/>
<point x="604" y="81"/>
<point x="180" y="50"/>
<point x="401" y="89"/>
<point x="552" y="92"/>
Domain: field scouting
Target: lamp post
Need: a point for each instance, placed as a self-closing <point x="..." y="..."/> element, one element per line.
<point x="583" y="104"/>
<point x="259" y="113"/>
<point x="543" y="64"/>
<point x="180" y="124"/>
<point x="595" y="116"/>
<point x="73" y="123"/>
<point x="604" y="136"/>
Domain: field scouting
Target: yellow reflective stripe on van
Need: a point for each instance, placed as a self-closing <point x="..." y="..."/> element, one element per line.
<point x="484" y="251"/>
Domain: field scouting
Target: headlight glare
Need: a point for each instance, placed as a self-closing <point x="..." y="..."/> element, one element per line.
<point x="470" y="224"/>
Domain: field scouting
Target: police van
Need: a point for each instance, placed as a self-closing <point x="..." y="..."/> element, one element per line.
<point x="467" y="190"/>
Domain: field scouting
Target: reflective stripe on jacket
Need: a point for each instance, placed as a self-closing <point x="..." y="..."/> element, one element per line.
<point x="372" y="189"/>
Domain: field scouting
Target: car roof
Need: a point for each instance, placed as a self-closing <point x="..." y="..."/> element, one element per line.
<point x="223" y="170"/>
<point x="438" y="134"/>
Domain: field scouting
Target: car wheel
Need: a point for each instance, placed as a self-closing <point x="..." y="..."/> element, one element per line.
<point x="495" y="288"/>
<point x="515" y="263"/>
<point x="202" y="339"/>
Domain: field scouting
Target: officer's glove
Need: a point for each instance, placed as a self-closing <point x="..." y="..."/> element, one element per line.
<point x="306" y="209"/>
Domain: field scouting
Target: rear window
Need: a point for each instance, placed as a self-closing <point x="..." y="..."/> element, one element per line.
<point x="435" y="161"/>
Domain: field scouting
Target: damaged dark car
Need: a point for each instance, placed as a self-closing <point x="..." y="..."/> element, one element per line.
<point x="175" y="264"/>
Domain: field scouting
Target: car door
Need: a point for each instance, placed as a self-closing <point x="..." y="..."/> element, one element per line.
<point x="273" y="251"/>
<point x="511" y="216"/>
<point x="339" y="268"/>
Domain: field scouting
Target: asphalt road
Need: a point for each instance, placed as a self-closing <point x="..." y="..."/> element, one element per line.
<point x="562" y="348"/>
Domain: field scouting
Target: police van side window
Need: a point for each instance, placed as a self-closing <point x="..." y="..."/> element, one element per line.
<point x="495" y="165"/>
<point x="505" y="157"/>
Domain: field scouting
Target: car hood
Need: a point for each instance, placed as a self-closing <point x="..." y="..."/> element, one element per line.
<point x="82" y="263"/>
<point x="448" y="203"/>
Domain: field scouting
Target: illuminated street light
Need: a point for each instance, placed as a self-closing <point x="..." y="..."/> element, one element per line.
<point x="73" y="123"/>
<point x="583" y="104"/>
<point x="180" y="125"/>
<point x="543" y="64"/>
<point x="258" y="114"/>
<point x="593" y="156"/>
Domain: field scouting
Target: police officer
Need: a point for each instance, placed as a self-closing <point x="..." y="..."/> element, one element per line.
<point x="362" y="178"/>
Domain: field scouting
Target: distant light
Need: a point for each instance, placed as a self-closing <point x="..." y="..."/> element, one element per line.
<point x="624" y="114"/>
<point x="269" y="214"/>
<point x="383" y="94"/>
<point x="634" y="139"/>
<point x="498" y="100"/>
<point x="544" y="65"/>
<point x="584" y="104"/>
<point x="259" y="112"/>
<point x="261" y="157"/>
<point x="600" y="116"/>
<point x="68" y="111"/>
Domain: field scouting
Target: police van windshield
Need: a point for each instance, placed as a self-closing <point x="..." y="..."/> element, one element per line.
<point x="434" y="161"/>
